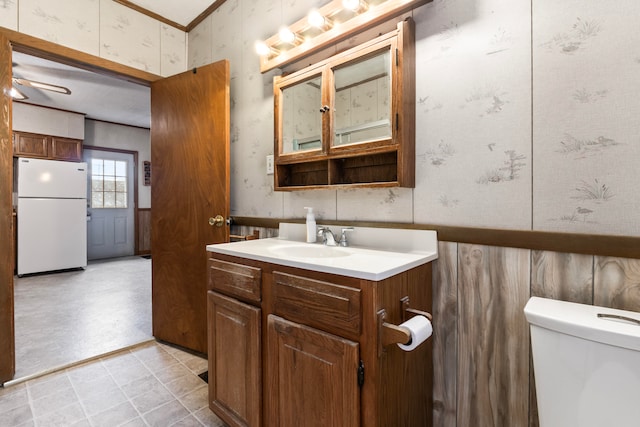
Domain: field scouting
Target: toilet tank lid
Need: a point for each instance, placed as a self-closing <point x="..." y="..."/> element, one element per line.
<point x="589" y="322"/>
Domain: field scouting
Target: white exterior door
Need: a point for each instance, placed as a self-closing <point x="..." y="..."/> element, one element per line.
<point x="110" y="204"/>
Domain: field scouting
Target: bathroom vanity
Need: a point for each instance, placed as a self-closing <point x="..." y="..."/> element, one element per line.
<point x="295" y="330"/>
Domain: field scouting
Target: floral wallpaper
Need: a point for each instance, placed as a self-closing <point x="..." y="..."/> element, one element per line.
<point x="60" y="22"/>
<point x="102" y="28"/>
<point x="526" y="116"/>
<point x="473" y="114"/>
<point x="9" y="14"/>
<point x="130" y="38"/>
<point x="586" y="135"/>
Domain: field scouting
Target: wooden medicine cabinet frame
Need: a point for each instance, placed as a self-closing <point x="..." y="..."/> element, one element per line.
<point x="379" y="162"/>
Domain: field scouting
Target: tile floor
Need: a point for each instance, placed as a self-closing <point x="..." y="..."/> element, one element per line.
<point x="66" y="317"/>
<point x="152" y="384"/>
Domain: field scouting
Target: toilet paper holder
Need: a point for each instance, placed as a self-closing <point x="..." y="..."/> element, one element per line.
<point x="388" y="333"/>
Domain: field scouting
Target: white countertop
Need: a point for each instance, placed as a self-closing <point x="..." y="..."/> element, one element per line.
<point x="372" y="254"/>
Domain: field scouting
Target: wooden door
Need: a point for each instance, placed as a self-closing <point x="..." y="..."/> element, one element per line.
<point x="7" y="342"/>
<point x="235" y="361"/>
<point x="311" y="378"/>
<point x="189" y="184"/>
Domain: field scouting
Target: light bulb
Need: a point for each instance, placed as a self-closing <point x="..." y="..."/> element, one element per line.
<point x="261" y="48"/>
<point x="315" y="19"/>
<point x="286" y="35"/>
<point x="355" y="5"/>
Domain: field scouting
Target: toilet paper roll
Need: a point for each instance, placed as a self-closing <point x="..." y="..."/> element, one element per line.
<point x="420" y="328"/>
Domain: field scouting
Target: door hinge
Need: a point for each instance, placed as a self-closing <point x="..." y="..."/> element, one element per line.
<point x="360" y="373"/>
<point x="397" y="121"/>
<point x="397" y="57"/>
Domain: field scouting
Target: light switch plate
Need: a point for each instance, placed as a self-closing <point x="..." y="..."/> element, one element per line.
<point x="270" y="164"/>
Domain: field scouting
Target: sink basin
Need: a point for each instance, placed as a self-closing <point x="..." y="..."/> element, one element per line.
<point x="309" y="251"/>
<point x="372" y="254"/>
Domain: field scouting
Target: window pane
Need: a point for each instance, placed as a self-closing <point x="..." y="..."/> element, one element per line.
<point x="97" y="167"/>
<point x="109" y="183"/>
<point x="121" y="168"/>
<point x="96" y="183"/>
<point x="121" y="184"/>
<point x="121" y="200"/>
<point x="109" y="199"/>
<point x="97" y="200"/>
<point x="110" y="167"/>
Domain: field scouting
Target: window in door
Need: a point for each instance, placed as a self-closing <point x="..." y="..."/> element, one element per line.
<point x="108" y="183"/>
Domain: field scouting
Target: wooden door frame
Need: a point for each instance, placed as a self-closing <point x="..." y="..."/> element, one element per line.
<point x="136" y="250"/>
<point x="41" y="48"/>
<point x="7" y="332"/>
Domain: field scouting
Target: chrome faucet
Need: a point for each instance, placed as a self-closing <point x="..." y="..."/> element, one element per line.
<point x="329" y="239"/>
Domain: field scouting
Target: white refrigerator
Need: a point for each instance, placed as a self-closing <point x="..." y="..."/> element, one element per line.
<point x="52" y="215"/>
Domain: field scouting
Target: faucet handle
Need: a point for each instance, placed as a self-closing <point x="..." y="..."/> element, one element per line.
<point x="343" y="236"/>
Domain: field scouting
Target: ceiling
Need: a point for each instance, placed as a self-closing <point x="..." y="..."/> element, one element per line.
<point x="98" y="96"/>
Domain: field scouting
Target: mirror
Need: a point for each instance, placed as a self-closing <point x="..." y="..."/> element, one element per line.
<point x="362" y="100"/>
<point x="301" y="117"/>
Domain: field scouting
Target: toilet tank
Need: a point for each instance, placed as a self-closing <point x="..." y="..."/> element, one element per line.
<point x="586" y="362"/>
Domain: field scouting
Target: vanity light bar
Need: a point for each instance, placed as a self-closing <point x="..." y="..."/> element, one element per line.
<point x="334" y="21"/>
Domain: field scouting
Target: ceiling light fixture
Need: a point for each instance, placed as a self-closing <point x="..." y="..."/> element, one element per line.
<point x="39" y="85"/>
<point x="16" y="94"/>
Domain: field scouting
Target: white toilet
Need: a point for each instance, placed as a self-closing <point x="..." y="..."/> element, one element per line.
<point x="586" y="361"/>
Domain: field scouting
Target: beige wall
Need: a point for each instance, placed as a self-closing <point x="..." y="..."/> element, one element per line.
<point x="110" y="135"/>
<point x="47" y="121"/>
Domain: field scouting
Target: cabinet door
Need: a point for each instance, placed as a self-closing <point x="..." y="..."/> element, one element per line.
<point x="235" y="361"/>
<point x="312" y="377"/>
<point x="66" y="149"/>
<point x="30" y="145"/>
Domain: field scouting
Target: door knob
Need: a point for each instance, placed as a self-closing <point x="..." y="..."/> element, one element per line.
<point x="218" y="220"/>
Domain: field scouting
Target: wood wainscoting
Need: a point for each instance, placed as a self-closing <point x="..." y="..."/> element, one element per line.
<point x="143" y="227"/>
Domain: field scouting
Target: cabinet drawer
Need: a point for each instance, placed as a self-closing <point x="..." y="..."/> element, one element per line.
<point x="323" y="305"/>
<point x="235" y="280"/>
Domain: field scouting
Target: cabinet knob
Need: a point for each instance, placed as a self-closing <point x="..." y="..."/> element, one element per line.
<point x="218" y="221"/>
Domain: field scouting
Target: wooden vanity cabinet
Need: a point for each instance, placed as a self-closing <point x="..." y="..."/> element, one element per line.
<point x="234" y="343"/>
<point x="46" y="147"/>
<point x="312" y="377"/>
<point x="322" y="363"/>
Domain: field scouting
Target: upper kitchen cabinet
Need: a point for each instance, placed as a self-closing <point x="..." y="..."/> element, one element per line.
<point x="349" y="121"/>
<point x="27" y="144"/>
<point x="47" y="133"/>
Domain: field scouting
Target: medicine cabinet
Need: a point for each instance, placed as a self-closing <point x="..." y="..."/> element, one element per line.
<point x="349" y="121"/>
